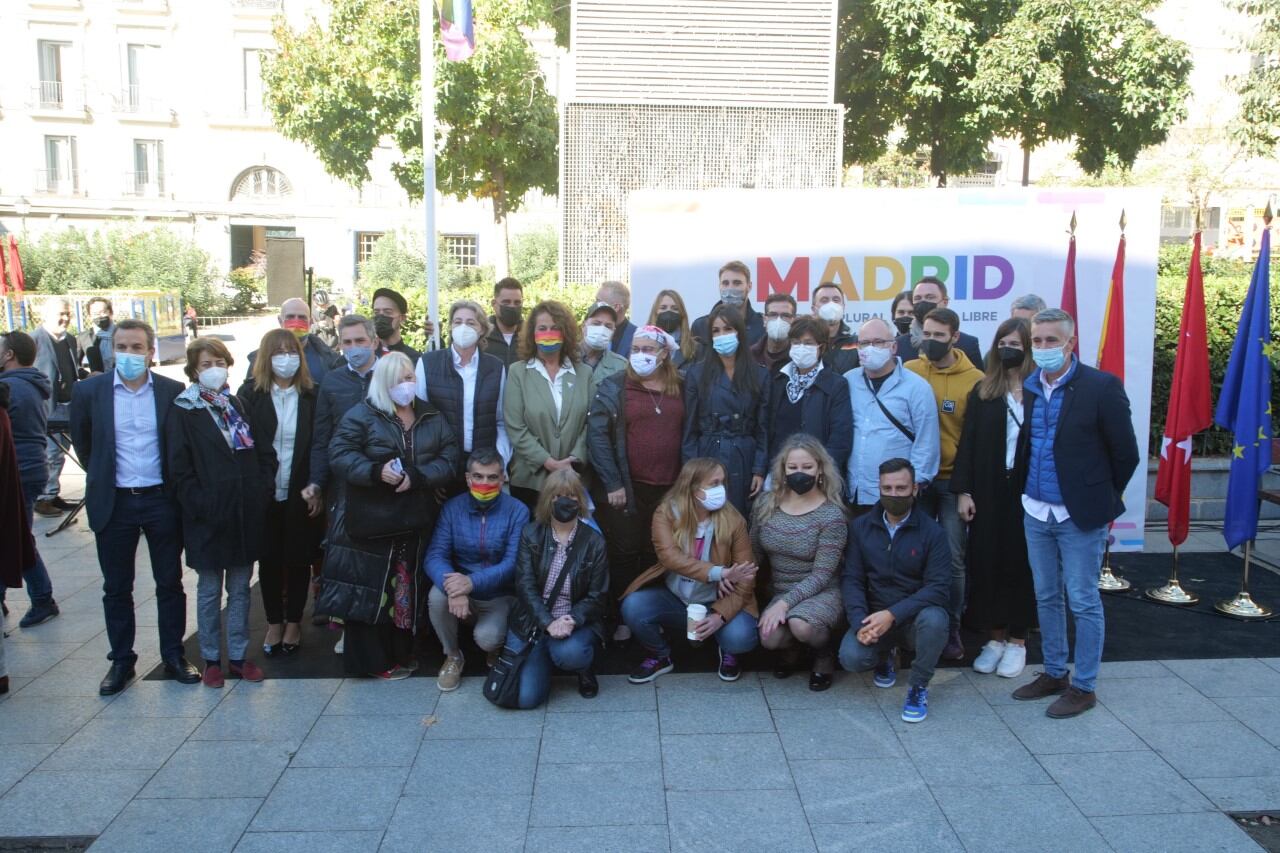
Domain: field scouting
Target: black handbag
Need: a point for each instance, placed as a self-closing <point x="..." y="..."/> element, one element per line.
<point x="380" y="512"/>
<point x="502" y="684"/>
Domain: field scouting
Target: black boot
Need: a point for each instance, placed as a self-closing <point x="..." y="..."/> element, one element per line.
<point x="588" y="686"/>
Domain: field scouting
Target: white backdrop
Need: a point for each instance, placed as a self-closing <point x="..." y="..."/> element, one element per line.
<point x="988" y="245"/>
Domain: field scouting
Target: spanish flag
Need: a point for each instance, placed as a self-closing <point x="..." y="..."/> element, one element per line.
<point x="1111" y="347"/>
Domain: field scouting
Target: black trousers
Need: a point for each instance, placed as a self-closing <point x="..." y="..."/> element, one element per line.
<point x="283" y="578"/>
<point x="156" y="516"/>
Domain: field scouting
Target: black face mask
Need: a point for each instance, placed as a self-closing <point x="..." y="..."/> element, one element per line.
<point x="902" y="324"/>
<point x="103" y="323"/>
<point x="800" y="482"/>
<point x="934" y="350"/>
<point x="382" y="327"/>
<point x="897" y="505"/>
<point x="922" y="309"/>
<point x="564" y="509"/>
<point x="668" y="321"/>
<point x="1011" y="356"/>
<point x="509" y="315"/>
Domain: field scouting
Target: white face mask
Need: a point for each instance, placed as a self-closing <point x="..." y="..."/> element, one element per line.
<point x="598" y="337"/>
<point x="831" y="312"/>
<point x="285" y="364"/>
<point x="402" y="394"/>
<point x="777" y="329"/>
<point x="874" y="358"/>
<point x="715" y="498"/>
<point x="464" y="336"/>
<point x="643" y="363"/>
<point x="212" y="378"/>
<point x="804" y="356"/>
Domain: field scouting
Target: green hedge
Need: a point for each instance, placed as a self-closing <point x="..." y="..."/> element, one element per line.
<point x="1226" y="283"/>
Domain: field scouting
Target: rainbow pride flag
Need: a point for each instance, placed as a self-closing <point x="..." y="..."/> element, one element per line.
<point x="456" y="29"/>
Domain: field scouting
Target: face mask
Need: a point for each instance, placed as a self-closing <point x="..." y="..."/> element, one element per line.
<point x="383" y="327"/>
<point x="922" y="309"/>
<point x="103" y="323"/>
<point x="299" y="327"/>
<point x="598" y="337"/>
<point x="874" y="358"/>
<point x="777" y="329"/>
<point x="285" y="365"/>
<point x="1011" y="356"/>
<point x="902" y="324"/>
<point x="1050" y="359"/>
<point x="725" y="344"/>
<point x="564" y="509"/>
<point x="830" y="312"/>
<point x="934" y="350"/>
<point x="897" y="505"/>
<point x="804" y="356"/>
<point x="130" y="365"/>
<point x="668" y="321"/>
<point x="402" y="394"/>
<point x="212" y="378"/>
<point x="800" y="482"/>
<point x="549" y="341"/>
<point x="464" y="336"/>
<point x="358" y="357"/>
<point x="732" y="298"/>
<point x="715" y="498"/>
<point x="643" y="363"/>
<point x="509" y="315"/>
<point x="485" y="493"/>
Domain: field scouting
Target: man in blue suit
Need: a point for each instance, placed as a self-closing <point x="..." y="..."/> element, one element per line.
<point x="117" y="428"/>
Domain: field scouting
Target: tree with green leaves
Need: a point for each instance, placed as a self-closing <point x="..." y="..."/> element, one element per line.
<point x="342" y="87"/>
<point x="1258" y="125"/>
<point x="952" y="75"/>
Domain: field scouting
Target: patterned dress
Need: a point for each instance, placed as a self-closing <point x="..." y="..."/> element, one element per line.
<point x="805" y="553"/>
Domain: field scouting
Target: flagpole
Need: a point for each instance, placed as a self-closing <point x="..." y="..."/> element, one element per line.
<point x="427" y="68"/>
<point x="1109" y="581"/>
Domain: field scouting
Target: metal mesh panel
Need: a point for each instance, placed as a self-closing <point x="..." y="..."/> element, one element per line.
<point x="608" y="150"/>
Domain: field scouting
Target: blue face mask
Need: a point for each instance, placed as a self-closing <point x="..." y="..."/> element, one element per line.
<point x="358" y="357"/>
<point x="725" y="344"/>
<point x="1050" y="359"/>
<point x="130" y="365"/>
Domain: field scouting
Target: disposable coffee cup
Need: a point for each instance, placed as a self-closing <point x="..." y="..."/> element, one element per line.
<point x="696" y="613"/>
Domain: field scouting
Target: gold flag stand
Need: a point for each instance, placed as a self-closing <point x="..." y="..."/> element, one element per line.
<point x="1172" y="592"/>
<point x="1109" y="581"/>
<point x="1243" y="606"/>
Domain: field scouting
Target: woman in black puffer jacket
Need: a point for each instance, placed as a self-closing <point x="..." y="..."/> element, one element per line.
<point x="389" y="455"/>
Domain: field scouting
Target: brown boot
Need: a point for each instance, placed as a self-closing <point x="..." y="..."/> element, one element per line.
<point x="1072" y="703"/>
<point x="1044" y="685"/>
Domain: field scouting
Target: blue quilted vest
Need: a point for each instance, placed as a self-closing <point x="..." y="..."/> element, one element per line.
<point x="1042" y="468"/>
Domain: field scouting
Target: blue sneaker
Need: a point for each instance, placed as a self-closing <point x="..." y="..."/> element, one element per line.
<point x="886" y="674"/>
<point x="916" y="708"/>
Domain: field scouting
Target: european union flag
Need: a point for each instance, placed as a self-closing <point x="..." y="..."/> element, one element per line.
<point x="1244" y="406"/>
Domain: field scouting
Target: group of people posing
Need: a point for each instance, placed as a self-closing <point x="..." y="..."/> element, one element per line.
<point x="761" y="480"/>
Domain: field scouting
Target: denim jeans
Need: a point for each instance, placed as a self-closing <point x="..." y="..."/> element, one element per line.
<point x="574" y="653"/>
<point x="209" y="611"/>
<point x="649" y="611"/>
<point x="1065" y="558"/>
<point x="55" y="459"/>
<point x="926" y="633"/>
<point x="35" y="576"/>
<point x="940" y="503"/>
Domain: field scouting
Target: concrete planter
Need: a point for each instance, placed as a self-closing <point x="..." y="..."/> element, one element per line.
<point x="1209" y="477"/>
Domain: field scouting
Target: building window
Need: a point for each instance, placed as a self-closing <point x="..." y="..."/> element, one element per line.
<point x="140" y="77"/>
<point x="365" y="241"/>
<point x="50" y="92"/>
<point x="261" y="183"/>
<point x="147" y="177"/>
<point x="61" y="173"/>
<point x="255" y="90"/>
<point x="463" y="249"/>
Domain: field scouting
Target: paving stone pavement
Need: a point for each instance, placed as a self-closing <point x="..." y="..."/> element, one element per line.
<point x="687" y="763"/>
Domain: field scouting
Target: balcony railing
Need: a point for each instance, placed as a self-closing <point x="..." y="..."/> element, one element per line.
<point x="56" y="95"/>
<point x="257" y="5"/>
<point x="144" y="184"/>
<point x="136" y="98"/>
<point x="58" y="182"/>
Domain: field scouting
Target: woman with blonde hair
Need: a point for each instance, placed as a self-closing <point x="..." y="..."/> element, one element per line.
<point x="800" y="530"/>
<point x="669" y="314"/>
<point x="562" y="585"/>
<point x="704" y="563"/>
<point x="280" y="403"/>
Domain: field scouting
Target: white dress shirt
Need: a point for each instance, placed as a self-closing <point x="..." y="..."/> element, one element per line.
<point x="137" y="439"/>
<point x="1037" y="509"/>
<point x="468" y="373"/>
<point x="285" y="401"/>
<point x="557" y="384"/>
<point x="1012" y="426"/>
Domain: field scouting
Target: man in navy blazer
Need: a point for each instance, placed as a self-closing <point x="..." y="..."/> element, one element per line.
<point x="117" y="428"/>
<point x="1078" y="452"/>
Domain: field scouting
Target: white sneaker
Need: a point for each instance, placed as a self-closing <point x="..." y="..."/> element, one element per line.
<point x="991" y="655"/>
<point x="1013" y="661"/>
<point x="621" y="634"/>
<point x="337" y="649"/>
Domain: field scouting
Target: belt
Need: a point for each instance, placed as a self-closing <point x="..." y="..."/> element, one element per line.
<point x="139" y="490"/>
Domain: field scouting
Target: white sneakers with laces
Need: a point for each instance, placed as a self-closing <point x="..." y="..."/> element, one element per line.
<point x="1013" y="661"/>
<point x="990" y="656"/>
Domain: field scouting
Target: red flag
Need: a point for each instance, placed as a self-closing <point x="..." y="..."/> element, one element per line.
<point x="1069" y="284"/>
<point x="1190" y="407"/>
<point x="15" y="267"/>
<point x="1111" y="347"/>
<point x="4" y="278"/>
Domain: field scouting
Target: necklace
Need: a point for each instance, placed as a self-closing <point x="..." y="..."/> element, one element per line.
<point x="656" y="399"/>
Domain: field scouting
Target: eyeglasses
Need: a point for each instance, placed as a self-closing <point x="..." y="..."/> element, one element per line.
<point x="878" y="343"/>
<point x="775" y="315"/>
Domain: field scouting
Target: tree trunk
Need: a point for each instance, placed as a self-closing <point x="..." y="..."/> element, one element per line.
<point x="1026" y="164"/>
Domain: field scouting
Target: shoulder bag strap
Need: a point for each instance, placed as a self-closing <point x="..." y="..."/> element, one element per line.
<point x="911" y="436"/>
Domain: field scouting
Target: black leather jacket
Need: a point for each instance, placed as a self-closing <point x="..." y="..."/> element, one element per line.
<point x="588" y="582"/>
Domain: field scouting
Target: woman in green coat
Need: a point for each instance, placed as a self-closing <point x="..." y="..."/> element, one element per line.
<point x="546" y="400"/>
